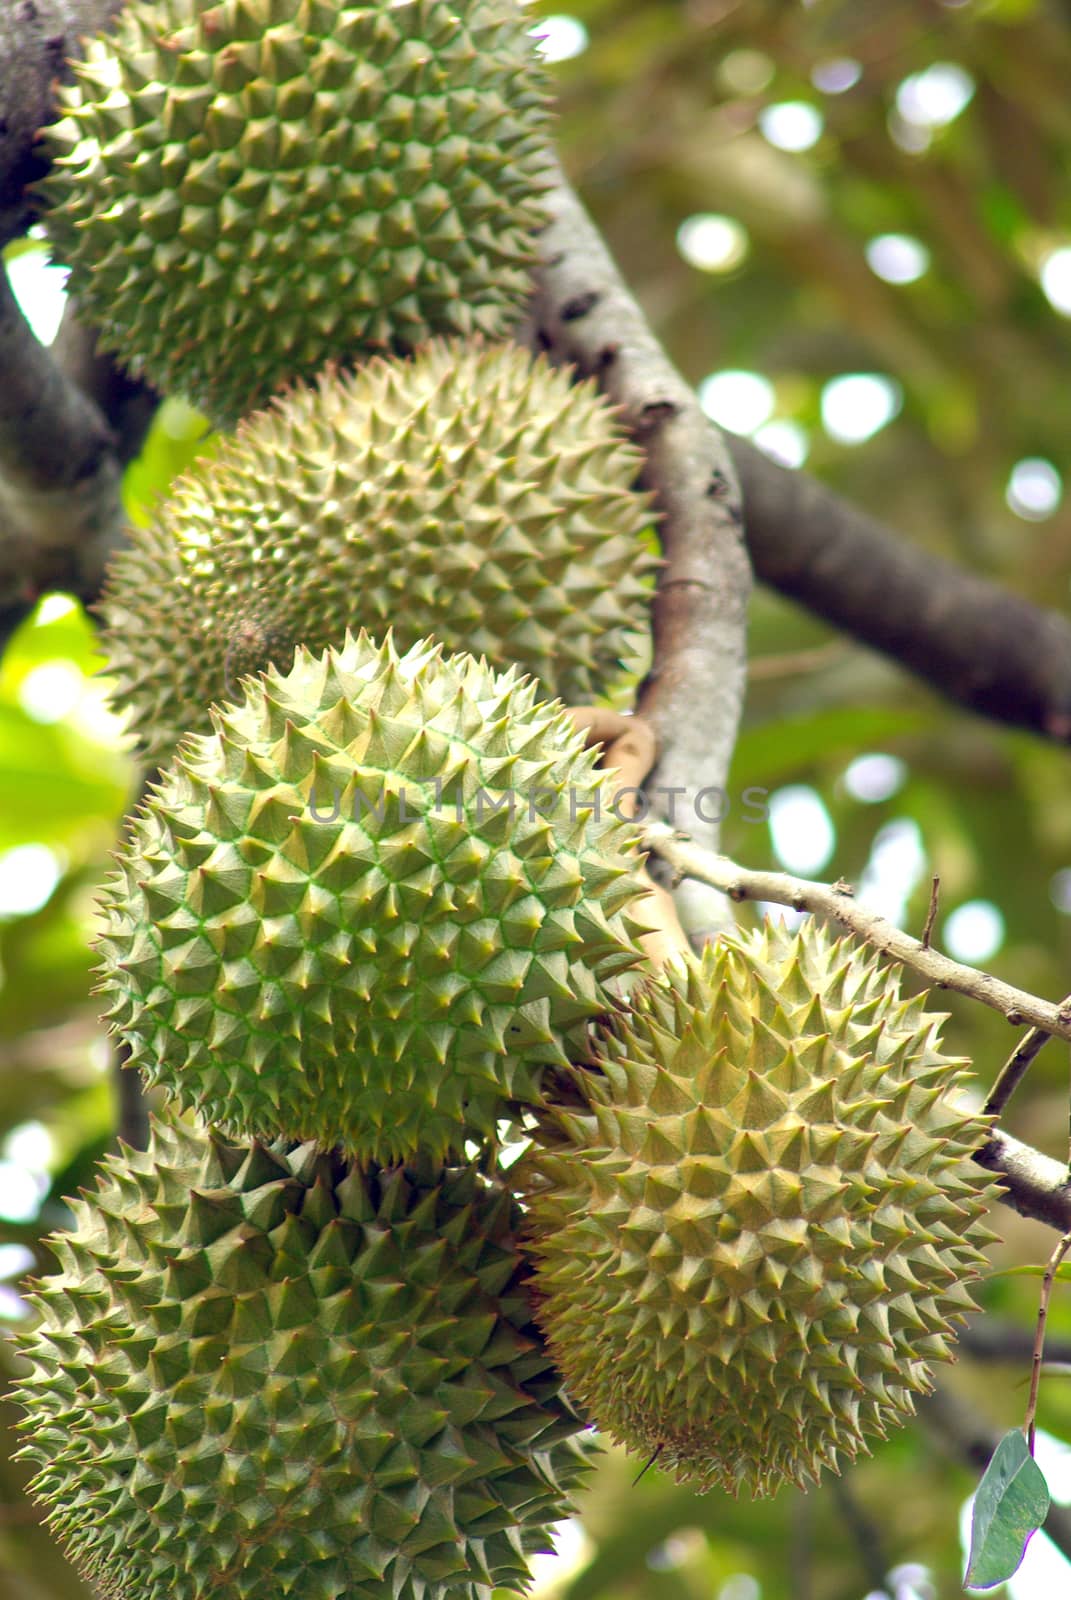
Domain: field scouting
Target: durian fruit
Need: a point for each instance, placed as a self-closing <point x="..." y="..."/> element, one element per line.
<point x="243" y="190"/>
<point x="472" y="492"/>
<point x="757" y="1237"/>
<point x="372" y="907"/>
<point x="262" y="1372"/>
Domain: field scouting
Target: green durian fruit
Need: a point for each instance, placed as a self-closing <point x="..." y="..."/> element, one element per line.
<point x="372" y="907"/>
<point x="246" y="189"/>
<point x="472" y="493"/>
<point x="756" y="1238"/>
<point x="262" y="1372"/>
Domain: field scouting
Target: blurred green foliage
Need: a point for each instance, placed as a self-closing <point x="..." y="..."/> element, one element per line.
<point x="661" y="121"/>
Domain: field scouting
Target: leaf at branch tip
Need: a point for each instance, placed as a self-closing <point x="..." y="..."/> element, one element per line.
<point x="1011" y="1504"/>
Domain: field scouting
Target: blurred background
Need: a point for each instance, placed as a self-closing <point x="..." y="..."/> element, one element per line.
<point x="850" y="221"/>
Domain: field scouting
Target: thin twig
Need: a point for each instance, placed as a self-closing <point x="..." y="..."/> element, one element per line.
<point x="1057" y="1256"/>
<point x="931" y="914"/>
<point x="836" y="904"/>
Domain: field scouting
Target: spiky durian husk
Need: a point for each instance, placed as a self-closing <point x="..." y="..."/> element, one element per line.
<point x="244" y="190"/>
<point x="757" y="1239"/>
<point x="372" y="907"/>
<point x="263" y="1372"/>
<point x="472" y="493"/>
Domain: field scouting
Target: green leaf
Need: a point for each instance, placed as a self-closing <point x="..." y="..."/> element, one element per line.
<point x="1011" y="1504"/>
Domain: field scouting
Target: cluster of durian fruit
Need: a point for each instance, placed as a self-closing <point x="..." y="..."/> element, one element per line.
<point x="375" y="925"/>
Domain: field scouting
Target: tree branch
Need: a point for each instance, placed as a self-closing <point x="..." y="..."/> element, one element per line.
<point x="1034" y="1184"/>
<point x="60" y="507"/>
<point x="970" y="639"/>
<point x="835" y="903"/>
<point x="585" y="314"/>
<point x="127" y="404"/>
<point x="37" y="37"/>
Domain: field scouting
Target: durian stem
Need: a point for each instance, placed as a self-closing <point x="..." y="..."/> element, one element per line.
<point x="1030" y="1421"/>
<point x="835" y="903"/>
<point x="630" y="750"/>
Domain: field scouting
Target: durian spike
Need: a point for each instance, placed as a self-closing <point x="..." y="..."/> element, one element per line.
<point x="374" y="907"/>
<point x="263" y="1373"/>
<point x="245" y="190"/>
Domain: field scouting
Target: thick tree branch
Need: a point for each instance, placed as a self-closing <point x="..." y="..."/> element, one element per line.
<point x="1035" y="1185"/>
<point x="126" y="403"/>
<point x="970" y="639"/>
<point x="37" y="37"/>
<point x="585" y="314"/>
<point x="60" y="508"/>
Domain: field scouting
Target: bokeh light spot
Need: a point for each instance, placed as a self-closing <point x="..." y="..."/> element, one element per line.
<point x="936" y="96"/>
<point x="858" y="405"/>
<point x="836" y="76"/>
<point x="792" y="125"/>
<point x="739" y="401"/>
<point x="560" y="38"/>
<point x="974" y="931"/>
<point x="1034" y="489"/>
<point x="51" y="691"/>
<point x="801" y="828"/>
<point x="711" y="242"/>
<point x="784" y="441"/>
<point x="1056" y="279"/>
<point x="29" y="874"/>
<point x="897" y="257"/>
<point x="875" y="777"/>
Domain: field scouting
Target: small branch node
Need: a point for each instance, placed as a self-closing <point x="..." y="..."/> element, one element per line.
<point x="580" y="305"/>
<point x="655" y="414"/>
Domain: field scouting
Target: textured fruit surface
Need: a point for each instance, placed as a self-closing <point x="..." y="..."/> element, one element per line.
<point x="757" y="1240"/>
<point x="472" y="493"/>
<point x="260" y="1373"/>
<point x="245" y="190"/>
<point x="372" y="907"/>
